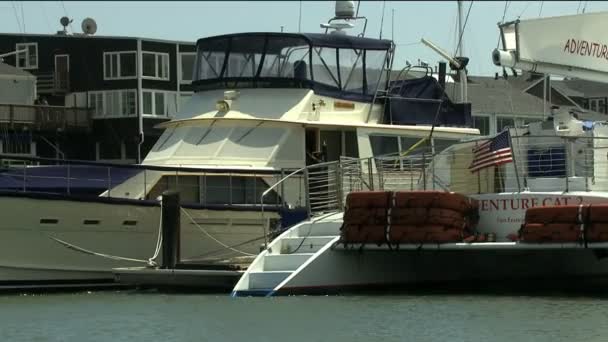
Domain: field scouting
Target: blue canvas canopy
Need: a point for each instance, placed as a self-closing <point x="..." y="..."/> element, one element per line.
<point x="84" y="179"/>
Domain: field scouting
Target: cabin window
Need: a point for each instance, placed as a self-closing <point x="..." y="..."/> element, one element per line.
<point x="186" y="61"/>
<point x="277" y="60"/>
<point x="325" y="66"/>
<point x="382" y="145"/>
<point x="155" y="65"/>
<point x="154" y="103"/>
<point x="375" y="69"/>
<point x="351" y="70"/>
<point x="287" y="57"/>
<point x="119" y="65"/>
<point x="547" y="162"/>
<point x="27" y="59"/>
<point x="482" y="123"/>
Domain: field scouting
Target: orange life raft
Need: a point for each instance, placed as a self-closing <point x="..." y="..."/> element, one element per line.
<point x="570" y="223"/>
<point x="407" y="217"/>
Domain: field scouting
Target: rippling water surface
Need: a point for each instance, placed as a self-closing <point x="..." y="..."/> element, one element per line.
<point x="151" y="316"/>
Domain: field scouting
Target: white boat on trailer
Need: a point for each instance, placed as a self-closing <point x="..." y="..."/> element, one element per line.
<point x="540" y="193"/>
<point x="265" y="104"/>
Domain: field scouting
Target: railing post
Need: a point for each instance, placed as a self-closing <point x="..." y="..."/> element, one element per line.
<point x="11" y="114"/>
<point x="306" y="193"/>
<point x="339" y="188"/>
<point x="68" y="180"/>
<point x="265" y="222"/>
<point x="230" y="188"/>
<point x="370" y="169"/>
<point x="282" y="188"/>
<point x="24" y="176"/>
<point x="423" y="170"/>
<point x="109" y="181"/>
<point x="145" y="185"/>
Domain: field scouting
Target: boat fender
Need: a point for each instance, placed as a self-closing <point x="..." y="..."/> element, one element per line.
<point x="583" y="219"/>
<point x="514" y="237"/>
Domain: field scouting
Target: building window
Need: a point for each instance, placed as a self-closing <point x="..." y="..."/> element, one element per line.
<point x="155" y="65"/>
<point x="597" y="105"/>
<point x="502" y="123"/>
<point x="154" y="103"/>
<point x="119" y="65"/>
<point x="183" y="99"/>
<point x="482" y="123"/>
<point x="187" y="67"/>
<point x="27" y="59"/>
<point x="115" y="103"/>
<point x="96" y="102"/>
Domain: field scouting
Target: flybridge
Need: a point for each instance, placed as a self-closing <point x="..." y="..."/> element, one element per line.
<point x="586" y="48"/>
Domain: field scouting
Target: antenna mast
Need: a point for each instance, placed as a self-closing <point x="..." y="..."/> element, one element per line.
<point x="460" y="51"/>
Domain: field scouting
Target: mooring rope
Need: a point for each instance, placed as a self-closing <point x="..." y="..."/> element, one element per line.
<point x="150" y="262"/>
<point x="212" y="238"/>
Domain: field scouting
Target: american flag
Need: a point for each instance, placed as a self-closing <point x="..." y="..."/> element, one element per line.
<point x="495" y="151"/>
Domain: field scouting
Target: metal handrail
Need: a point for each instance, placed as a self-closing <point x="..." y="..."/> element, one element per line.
<point x="275" y="185"/>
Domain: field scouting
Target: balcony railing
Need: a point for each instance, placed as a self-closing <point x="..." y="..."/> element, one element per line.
<point x="53" y="82"/>
<point x="46" y="117"/>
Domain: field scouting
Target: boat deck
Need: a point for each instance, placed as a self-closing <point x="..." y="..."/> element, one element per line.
<point x="471" y="246"/>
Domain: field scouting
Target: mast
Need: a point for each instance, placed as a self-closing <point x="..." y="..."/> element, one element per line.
<point x="460" y="51"/>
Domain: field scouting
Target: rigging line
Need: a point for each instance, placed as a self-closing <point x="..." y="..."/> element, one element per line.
<point x="23" y="17"/>
<point x="300" y="18"/>
<point x="16" y="15"/>
<point x="358" y="4"/>
<point x="584" y="6"/>
<point x="525" y="8"/>
<point x="211" y="237"/>
<point x="382" y="18"/>
<point x="541" y="8"/>
<point x="46" y="17"/>
<point x="579" y="6"/>
<point x="464" y="26"/>
<point x="504" y="14"/>
<point x="67" y="15"/>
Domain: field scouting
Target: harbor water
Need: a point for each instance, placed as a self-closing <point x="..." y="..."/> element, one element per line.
<point x="152" y="316"/>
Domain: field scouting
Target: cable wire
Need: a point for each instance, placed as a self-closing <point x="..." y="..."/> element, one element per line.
<point x="464" y="26"/>
<point x="382" y="19"/>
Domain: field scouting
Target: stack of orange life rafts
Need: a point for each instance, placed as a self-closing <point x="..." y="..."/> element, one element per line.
<point x="407" y="217"/>
<point x="570" y="223"/>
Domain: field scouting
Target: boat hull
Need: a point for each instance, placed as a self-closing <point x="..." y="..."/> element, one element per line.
<point x="30" y="228"/>
<point x="509" y="269"/>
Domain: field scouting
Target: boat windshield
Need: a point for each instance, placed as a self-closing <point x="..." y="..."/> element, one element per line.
<point x="337" y="66"/>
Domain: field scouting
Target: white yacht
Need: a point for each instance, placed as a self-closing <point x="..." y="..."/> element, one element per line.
<point x="266" y="105"/>
<point x="526" y="207"/>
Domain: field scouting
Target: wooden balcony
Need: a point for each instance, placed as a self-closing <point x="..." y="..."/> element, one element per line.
<point x="45" y="118"/>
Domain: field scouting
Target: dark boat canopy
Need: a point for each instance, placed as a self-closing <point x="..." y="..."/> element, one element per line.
<point x="315" y="39"/>
<point x="335" y="65"/>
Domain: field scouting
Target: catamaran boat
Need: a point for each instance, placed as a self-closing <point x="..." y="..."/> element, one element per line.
<point x="524" y="207"/>
<point x="266" y="105"/>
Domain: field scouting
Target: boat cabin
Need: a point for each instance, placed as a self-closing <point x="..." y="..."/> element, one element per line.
<point x="277" y="102"/>
<point x="561" y="154"/>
